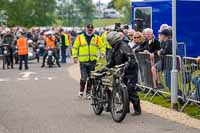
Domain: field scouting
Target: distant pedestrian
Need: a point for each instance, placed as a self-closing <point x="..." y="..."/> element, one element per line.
<point x="22" y="45"/>
<point x="65" y="43"/>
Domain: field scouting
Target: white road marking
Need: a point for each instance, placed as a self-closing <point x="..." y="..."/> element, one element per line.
<point x="23" y="79"/>
<point x="36" y="78"/>
<point x="27" y="74"/>
<point x="4" y="80"/>
<point x="50" y="78"/>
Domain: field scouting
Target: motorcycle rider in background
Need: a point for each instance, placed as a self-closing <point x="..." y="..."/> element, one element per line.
<point x="50" y="42"/>
<point x="8" y="38"/>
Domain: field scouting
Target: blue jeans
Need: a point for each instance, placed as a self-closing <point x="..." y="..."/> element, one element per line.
<point x="167" y="76"/>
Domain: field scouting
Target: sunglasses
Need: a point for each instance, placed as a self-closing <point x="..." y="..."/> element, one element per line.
<point x="90" y="27"/>
<point x="136" y="37"/>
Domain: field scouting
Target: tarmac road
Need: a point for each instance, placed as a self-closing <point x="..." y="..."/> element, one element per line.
<point x="44" y="100"/>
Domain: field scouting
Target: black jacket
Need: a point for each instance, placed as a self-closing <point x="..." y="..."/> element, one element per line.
<point x="166" y="47"/>
<point x="8" y="39"/>
<point x="153" y="47"/>
<point x="141" y="47"/>
<point x="119" y="56"/>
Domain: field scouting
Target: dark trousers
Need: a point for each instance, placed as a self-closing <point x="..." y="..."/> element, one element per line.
<point x="10" y="60"/>
<point x="21" y="59"/>
<point x="63" y="54"/>
<point x="86" y="68"/>
<point x="54" y="55"/>
<point x="132" y="92"/>
<point x="108" y="54"/>
<point x="11" y="57"/>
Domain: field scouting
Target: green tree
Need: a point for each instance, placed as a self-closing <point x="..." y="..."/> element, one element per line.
<point x="124" y="6"/>
<point x="86" y="11"/>
<point x="29" y="12"/>
<point x="67" y="13"/>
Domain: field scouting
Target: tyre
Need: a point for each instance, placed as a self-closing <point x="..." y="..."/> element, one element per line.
<point x="106" y="94"/>
<point x="4" y="61"/>
<point x="96" y="96"/>
<point x="8" y="62"/>
<point x="119" y="103"/>
<point x="49" y="62"/>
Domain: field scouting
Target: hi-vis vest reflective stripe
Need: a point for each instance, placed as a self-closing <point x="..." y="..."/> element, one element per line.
<point x="22" y="45"/>
<point x="66" y="39"/>
<point x="50" y="42"/>
<point x="87" y="52"/>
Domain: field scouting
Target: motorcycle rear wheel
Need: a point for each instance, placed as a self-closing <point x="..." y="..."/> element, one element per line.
<point x="96" y="96"/>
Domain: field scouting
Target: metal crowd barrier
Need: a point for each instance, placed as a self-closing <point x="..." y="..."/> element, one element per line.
<point x="188" y="77"/>
<point x="145" y="63"/>
<point x="191" y="81"/>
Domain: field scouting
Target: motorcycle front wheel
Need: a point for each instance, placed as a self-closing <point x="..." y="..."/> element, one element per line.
<point x="49" y="62"/>
<point x="119" y="103"/>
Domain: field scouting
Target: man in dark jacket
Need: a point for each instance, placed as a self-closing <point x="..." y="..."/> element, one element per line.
<point x="8" y="38"/>
<point x="166" y="48"/>
<point x="120" y="56"/>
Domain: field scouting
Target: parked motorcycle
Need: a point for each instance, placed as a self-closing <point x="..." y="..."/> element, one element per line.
<point x="31" y="53"/>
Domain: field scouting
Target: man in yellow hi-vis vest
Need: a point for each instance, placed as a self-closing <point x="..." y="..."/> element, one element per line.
<point x="86" y="50"/>
<point x="65" y="42"/>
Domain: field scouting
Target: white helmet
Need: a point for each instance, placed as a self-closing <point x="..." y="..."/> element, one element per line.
<point x="30" y="41"/>
<point x="7" y="30"/>
<point x="49" y="33"/>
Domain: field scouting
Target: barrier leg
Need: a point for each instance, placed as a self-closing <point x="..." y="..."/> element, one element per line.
<point x="184" y="106"/>
<point x="156" y="92"/>
<point x="148" y="93"/>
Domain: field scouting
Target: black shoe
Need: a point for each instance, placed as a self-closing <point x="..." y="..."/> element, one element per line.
<point x="181" y="102"/>
<point x="160" y="86"/>
<point x="59" y="65"/>
<point x="128" y="110"/>
<point x="136" y="113"/>
<point x="42" y="66"/>
<point x="137" y="108"/>
<point x="138" y="89"/>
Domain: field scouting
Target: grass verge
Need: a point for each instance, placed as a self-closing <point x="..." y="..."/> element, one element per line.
<point x="191" y="110"/>
<point x="105" y="22"/>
